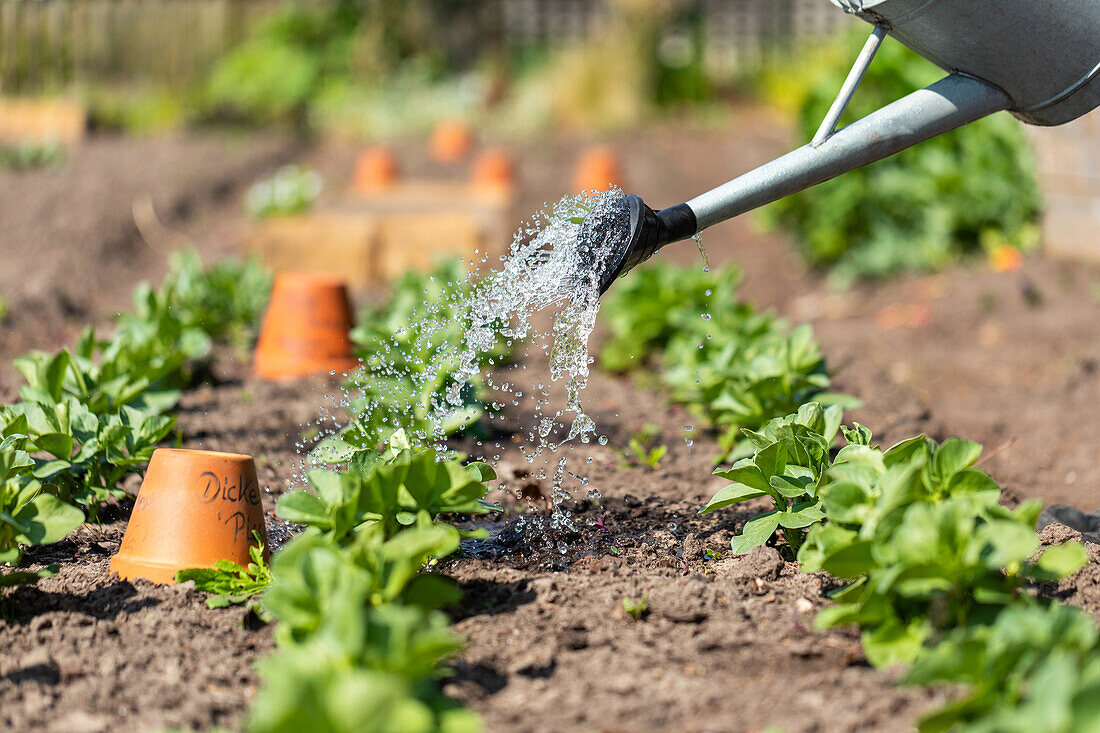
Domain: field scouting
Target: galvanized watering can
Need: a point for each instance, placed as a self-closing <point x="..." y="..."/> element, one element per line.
<point x="1038" y="59"/>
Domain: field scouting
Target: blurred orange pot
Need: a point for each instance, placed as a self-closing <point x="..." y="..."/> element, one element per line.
<point x="597" y="169"/>
<point x="494" y="168"/>
<point x="194" y="508"/>
<point x="451" y="141"/>
<point x="375" y="168"/>
<point x="305" y="329"/>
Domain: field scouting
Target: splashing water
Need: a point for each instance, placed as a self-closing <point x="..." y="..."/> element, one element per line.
<point x="551" y="273"/>
<point x="555" y="263"/>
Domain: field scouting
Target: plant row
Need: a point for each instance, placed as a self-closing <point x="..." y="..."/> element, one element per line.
<point x="90" y="416"/>
<point x="731" y="366"/>
<point x="361" y="639"/>
<point x="932" y="568"/>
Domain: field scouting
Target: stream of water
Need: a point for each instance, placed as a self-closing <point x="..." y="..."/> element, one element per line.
<point x="542" y="301"/>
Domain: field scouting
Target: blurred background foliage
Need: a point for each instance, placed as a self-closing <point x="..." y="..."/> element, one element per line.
<point x="369" y="70"/>
<point x="969" y="190"/>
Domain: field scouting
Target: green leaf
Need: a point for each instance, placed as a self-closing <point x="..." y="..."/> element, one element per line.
<point x="16" y="577"/>
<point x="1063" y="560"/>
<point x="801" y="515"/>
<point x="748" y="475"/>
<point x="955" y="455"/>
<point x="48" y="519"/>
<point x="56" y="444"/>
<point x="894" y="642"/>
<point x="755" y="533"/>
<point x="301" y="507"/>
<point x="329" y="486"/>
<point x="729" y="495"/>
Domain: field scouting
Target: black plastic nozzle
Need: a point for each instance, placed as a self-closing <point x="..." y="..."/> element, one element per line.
<point x="649" y="230"/>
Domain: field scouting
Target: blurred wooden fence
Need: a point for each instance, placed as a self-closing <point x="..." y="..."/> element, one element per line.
<point x="735" y="32"/>
<point x="46" y="45"/>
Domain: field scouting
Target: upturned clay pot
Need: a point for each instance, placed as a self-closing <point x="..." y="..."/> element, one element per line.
<point x="194" y="508"/>
<point x="305" y="329"/>
<point x="494" y="168"/>
<point x="597" y="169"/>
<point x="375" y="169"/>
<point x="451" y="141"/>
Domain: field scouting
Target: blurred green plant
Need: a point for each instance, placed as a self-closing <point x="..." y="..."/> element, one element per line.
<point x="292" y="189"/>
<point x="920" y="209"/>
<point x="31" y="155"/>
<point x="732" y="367"/>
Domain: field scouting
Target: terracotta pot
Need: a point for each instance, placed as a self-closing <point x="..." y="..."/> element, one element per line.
<point x="451" y="141"/>
<point x="494" y="168"/>
<point x="194" y="508"/>
<point x="375" y="169"/>
<point x="597" y="169"/>
<point x="305" y="329"/>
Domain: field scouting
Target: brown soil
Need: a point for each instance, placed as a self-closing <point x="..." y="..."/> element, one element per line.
<point x="1006" y="359"/>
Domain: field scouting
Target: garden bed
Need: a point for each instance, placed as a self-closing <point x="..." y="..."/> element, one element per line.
<point x="1008" y="360"/>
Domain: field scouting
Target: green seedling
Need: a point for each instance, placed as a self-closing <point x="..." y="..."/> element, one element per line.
<point x="733" y="368"/>
<point x="641" y="450"/>
<point x="228" y="582"/>
<point x="399" y="488"/>
<point x="28" y="514"/>
<point x="636" y="609"/>
<point x="31" y="155"/>
<point x="1034" y="668"/>
<point x="709" y="554"/>
<point x="291" y="190"/>
<point x="788" y="466"/>
<point x="920" y="532"/>
<point x="403" y="379"/>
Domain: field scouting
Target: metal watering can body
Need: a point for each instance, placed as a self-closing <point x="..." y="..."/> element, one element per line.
<point x="1038" y="59"/>
<point x="1044" y="54"/>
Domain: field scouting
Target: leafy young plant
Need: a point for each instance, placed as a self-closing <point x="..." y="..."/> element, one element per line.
<point x="292" y="189"/>
<point x="789" y="464"/>
<point x="641" y="451"/>
<point x="341" y="680"/>
<point x="81" y="456"/>
<point x="1034" y="668"/>
<point x="228" y="582"/>
<point x="644" y="311"/>
<point x="225" y="299"/>
<point x="746" y="370"/>
<point x="28" y="515"/>
<point x="636" y="609"/>
<point x="412" y="345"/>
<point x="313" y="574"/>
<point x="929" y="547"/>
<point x="732" y="367"/>
<point x="48" y="154"/>
<point x="356" y="613"/>
<point x="397" y="489"/>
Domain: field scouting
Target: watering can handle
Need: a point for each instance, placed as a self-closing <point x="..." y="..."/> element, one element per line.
<point x="949" y="103"/>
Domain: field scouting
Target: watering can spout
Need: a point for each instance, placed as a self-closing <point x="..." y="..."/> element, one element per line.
<point x="1040" y="61"/>
<point x="944" y="106"/>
